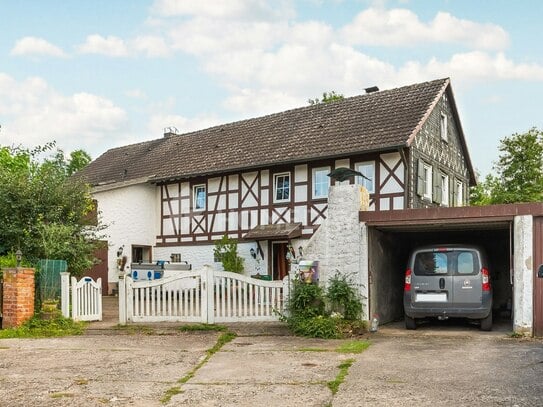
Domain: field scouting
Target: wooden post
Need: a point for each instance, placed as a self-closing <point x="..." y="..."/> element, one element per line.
<point x="122" y="298"/>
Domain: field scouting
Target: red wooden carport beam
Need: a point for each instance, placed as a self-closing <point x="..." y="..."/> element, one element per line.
<point x="452" y="215"/>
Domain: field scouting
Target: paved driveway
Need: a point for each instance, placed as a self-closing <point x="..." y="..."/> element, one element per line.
<point x="459" y="366"/>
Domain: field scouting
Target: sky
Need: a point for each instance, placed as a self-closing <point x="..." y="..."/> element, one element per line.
<point x="100" y="74"/>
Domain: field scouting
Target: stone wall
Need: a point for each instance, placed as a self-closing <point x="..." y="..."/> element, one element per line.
<point x="19" y="292"/>
<point x="340" y="244"/>
<point x="523" y="274"/>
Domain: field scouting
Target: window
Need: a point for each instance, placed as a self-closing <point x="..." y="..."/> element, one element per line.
<point x="444" y="189"/>
<point x="443" y="127"/>
<point x="321" y="182"/>
<point x="199" y="197"/>
<point x="427" y="181"/>
<point x="281" y="187"/>
<point x="368" y="170"/>
<point x="459" y="193"/>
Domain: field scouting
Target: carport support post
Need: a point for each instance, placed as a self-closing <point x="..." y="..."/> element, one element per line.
<point x="523" y="274"/>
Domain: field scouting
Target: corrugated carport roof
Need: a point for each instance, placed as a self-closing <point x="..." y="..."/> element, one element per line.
<point x="463" y="218"/>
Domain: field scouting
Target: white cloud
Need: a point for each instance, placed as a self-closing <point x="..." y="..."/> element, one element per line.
<point x="34" y="112"/>
<point x="231" y="9"/>
<point x="34" y="46"/>
<point x="151" y="46"/>
<point x="402" y="27"/>
<point x="136" y="94"/>
<point x="111" y="46"/>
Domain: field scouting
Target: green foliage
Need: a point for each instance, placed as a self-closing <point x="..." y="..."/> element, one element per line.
<point x="327" y="97"/>
<point x="519" y="172"/>
<point x="42" y="209"/>
<point x="226" y="251"/>
<point x="38" y="328"/>
<point x="202" y="327"/>
<point x="353" y="347"/>
<point x="342" y="374"/>
<point x="343" y="298"/>
<point x="307" y="307"/>
<point x="315" y="327"/>
<point x="306" y="300"/>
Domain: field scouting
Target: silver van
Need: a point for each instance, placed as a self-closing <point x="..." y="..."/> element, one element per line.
<point x="448" y="281"/>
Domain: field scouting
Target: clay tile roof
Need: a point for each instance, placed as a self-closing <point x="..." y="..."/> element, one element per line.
<point x="371" y="122"/>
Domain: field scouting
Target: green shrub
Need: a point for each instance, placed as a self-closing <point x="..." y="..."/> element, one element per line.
<point x="226" y="251"/>
<point x="343" y="297"/>
<point x="315" y="327"/>
<point x="306" y="300"/>
<point x="39" y="328"/>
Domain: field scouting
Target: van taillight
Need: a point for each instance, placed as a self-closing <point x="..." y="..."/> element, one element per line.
<point x="407" y="285"/>
<point x="486" y="279"/>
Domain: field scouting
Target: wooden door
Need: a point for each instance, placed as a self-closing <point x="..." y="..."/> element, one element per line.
<point x="280" y="263"/>
<point x="538" y="281"/>
<point x="100" y="270"/>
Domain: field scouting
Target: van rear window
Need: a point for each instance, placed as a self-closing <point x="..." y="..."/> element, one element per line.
<point x="459" y="262"/>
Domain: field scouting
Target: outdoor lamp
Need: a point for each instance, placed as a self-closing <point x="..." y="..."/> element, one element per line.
<point x="19" y="256"/>
<point x="301" y="251"/>
<point x="253" y="253"/>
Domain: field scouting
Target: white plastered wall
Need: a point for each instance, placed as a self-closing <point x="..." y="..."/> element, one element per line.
<point x="129" y="214"/>
<point x="523" y="274"/>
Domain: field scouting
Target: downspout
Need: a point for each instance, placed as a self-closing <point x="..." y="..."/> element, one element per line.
<point x="407" y="177"/>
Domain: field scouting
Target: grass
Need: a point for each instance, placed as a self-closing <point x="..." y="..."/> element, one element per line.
<point x="353" y="347"/>
<point x="223" y="339"/>
<point x="313" y="350"/>
<point x="136" y="329"/>
<point x="202" y="327"/>
<point x="340" y="378"/>
<point x="42" y="328"/>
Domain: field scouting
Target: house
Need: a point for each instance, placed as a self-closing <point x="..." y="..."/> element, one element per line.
<point x="264" y="180"/>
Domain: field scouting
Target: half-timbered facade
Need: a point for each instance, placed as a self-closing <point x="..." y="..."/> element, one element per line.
<point x="236" y="178"/>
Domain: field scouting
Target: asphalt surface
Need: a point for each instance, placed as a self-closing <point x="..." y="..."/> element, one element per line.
<point x="437" y="365"/>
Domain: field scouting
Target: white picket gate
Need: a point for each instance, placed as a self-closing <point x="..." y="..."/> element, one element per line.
<point x="86" y="298"/>
<point x="205" y="295"/>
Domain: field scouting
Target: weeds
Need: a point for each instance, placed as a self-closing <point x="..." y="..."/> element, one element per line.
<point x="340" y="378"/>
<point x="353" y="347"/>
<point x="41" y="328"/>
<point x="202" y="327"/>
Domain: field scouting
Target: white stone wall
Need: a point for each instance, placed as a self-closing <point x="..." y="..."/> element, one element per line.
<point x="130" y="215"/>
<point x="340" y="244"/>
<point x="523" y="274"/>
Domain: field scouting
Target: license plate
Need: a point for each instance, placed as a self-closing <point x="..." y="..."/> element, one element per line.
<point x="431" y="297"/>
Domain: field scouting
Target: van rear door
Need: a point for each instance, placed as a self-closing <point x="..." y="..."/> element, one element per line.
<point x="432" y="281"/>
<point x="467" y="279"/>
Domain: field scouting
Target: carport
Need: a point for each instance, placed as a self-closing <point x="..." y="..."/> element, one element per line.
<point x="511" y="235"/>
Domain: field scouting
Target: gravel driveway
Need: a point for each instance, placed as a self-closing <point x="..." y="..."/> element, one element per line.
<point x="425" y="367"/>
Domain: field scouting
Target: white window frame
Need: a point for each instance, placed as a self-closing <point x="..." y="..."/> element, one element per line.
<point x="368" y="184"/>
<point x="459" y="193"/>
<point x="195" y="205"/>
<point x="275" y="177"/>
<point x="325" y="184"/>
<point x="427" y="193"/>
<point x="443" y="127"/>
<point x="444" y="189"/>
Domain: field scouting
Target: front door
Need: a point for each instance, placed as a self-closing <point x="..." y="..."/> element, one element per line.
<point x="279" y="260"/>
<point x="100" y="270"/>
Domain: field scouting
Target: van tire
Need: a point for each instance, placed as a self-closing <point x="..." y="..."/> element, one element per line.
<point x="486" y="323"/>
<point x="410" y="323"/>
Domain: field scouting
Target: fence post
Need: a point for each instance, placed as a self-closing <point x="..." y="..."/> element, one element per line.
<point x="209" y="277"/>
<point x="286" y="293"/>
<point x="122" y="298"/>
<point x="65" y="294"/>
<point x="75" y="300"/>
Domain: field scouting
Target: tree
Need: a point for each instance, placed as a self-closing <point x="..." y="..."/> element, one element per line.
<point x="327" y="97"/>
<point x="519" y="172"/>
<point x="44" y="211"/>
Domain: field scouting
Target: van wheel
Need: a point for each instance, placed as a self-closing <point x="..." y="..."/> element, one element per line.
<point x="410" y="323"/>
<point x="486" y="323"/>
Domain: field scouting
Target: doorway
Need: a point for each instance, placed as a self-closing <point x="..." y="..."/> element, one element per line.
<point x="279" y="260"/>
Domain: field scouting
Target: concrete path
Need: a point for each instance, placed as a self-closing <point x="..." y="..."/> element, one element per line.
<point x="454" y="366"/>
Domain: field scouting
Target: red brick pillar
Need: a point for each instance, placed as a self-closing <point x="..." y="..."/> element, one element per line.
<point x="19" y="294"/>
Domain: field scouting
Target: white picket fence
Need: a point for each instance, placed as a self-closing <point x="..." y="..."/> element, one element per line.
<point x="205" y="295"/>
<point x="86" y="298"/>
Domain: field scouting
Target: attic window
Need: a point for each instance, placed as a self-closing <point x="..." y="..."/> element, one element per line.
<point x="443" y="127"/>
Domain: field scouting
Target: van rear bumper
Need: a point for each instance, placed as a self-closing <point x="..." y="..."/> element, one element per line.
<point x="454" y="313"/>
